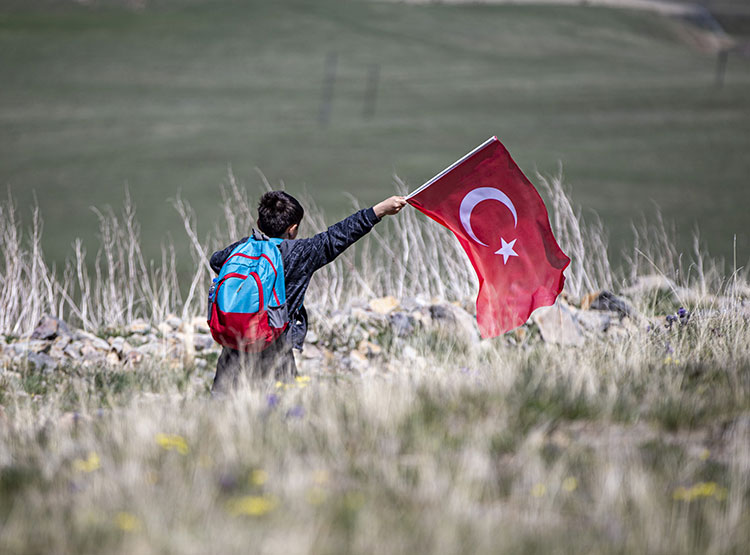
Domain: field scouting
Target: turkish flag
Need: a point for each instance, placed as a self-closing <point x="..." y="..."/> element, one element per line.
<point x="502" y="224"/>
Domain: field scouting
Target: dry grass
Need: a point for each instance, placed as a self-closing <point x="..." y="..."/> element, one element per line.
<point x="637" y="444"/>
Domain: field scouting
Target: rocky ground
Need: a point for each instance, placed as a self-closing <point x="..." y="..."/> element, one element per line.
<point x="357" y="337"/>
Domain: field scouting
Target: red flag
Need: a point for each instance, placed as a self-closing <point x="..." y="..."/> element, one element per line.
<point x="502" y="224"/>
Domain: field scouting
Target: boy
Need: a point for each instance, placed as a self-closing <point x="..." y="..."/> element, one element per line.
<point x="279" y="215"/>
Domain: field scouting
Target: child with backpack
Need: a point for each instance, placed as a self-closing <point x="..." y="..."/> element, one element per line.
<point x="255" y="306"/>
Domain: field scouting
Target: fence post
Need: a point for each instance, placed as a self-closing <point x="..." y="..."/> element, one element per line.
<point x="329" y="82"/>
<point x="371" y="91"/>
<point x="721" y="67"/>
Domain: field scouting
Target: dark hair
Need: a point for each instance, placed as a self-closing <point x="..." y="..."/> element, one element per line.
<point x="277" y="211"/>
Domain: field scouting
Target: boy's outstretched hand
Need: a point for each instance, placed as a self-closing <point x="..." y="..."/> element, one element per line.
<point x="389" y="206"/>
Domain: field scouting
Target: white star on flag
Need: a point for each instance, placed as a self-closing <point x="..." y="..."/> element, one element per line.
<point x="506" y="250"/>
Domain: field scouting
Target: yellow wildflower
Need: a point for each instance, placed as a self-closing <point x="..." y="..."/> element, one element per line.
<point x="251" y="505"/>
<point x="680" y="494"/>
<point x="89" y="464"/>
<point x="704" y="454"/>
<point x="258" y="477"/>
<point x="127" y="522"/>
<point x="701" y="489"/>
<point x="569" y="484"/>
<point x="539" y="490"/>
<point x="172" y="442"/>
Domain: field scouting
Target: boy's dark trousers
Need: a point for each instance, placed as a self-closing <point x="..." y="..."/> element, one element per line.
<point x="234" y="366"/>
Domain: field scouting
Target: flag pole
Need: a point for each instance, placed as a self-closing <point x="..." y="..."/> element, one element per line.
<point x="453" y="165"/>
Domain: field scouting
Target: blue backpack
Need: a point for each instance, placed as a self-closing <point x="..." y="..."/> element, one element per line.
<point x="247" y="309"/>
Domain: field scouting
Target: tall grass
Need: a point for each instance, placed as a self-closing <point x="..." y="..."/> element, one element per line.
<point x="406" y="256"/>
<point x="635" y="442"/>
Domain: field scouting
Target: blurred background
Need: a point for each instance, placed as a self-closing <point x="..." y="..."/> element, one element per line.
<point x="641" y="103"/>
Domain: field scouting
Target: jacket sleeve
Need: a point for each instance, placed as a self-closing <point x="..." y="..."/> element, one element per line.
<point x="219" y="257"/>
<point x="326" y="246"/>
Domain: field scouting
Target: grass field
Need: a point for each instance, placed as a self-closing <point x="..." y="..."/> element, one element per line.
<point x="636" y="440"/>
<point x="166" y="98"/>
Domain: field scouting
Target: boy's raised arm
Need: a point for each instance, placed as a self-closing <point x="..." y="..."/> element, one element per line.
<point x="326" y="246"/>
<point x="390" y="206"/>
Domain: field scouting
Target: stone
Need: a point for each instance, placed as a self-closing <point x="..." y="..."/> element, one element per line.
<point x="152" y="349"/>
<point x="112" y="358"/>
<point x="557" y="324"/>
<point x="49" y="327"/>
<point x="73" y="350"/>
<point x="200" y="325"/>
<point x="91" y="353"/>
<point x="311" y="352"/>
<point x="56" y="352"/>
<point x="93" y="340"/>
<point x="201" y="363"/>
<point x="134" y="357"/>
<point x="358" y="361"/>
<point x="369" y="349"/>
<point x="383" y="305"/>
<point x="520" y="334"/>
<point x="62" y="341"/>
<point x="174" y="322"/>
<point x="454" y="321"/>
<point x="402" y="323"/>
<point x="31" y="346"/>
<point x="137" y="339"/>
<point x="120" y="345"/>
<point x="409" y="353"/>
<point x="42" y="362"/>
<point x="595" y="320"/>
<point x="311" y="337"/>
<point x="139" y="325"/>
<point x="202" y="341"/>
<point x="164" y="328"/>
<point x="604" y="300"/>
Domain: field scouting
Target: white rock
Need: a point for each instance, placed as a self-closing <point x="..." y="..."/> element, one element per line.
<point x="383" y="305"/>
<point x="120" y="345"/>
<point x="139" y="325"/>
<point x="200" y="325"/>
<point x="202" y="341"/>
<point x="93" y="340"/>
<point x="90" y="353"/>
<point x="73" y="350"/>
<point x="557" y="324"/>
<point x="409" y="353"/>
<point x="455" y="321"/>
<point x="30" y="346"/>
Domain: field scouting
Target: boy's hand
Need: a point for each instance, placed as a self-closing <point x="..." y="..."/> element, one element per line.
<point x="389" y="206"/>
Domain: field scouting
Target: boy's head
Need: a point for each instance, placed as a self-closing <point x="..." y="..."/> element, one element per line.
<point x="279" y="214"/>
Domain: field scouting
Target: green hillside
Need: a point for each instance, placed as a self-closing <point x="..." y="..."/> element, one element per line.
<point x="167" y="98"/>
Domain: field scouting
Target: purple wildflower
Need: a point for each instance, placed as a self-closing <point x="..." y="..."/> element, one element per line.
<point x="272" y="400"/>
<point x="296" y="412"/>
<point x="227" y="482"/>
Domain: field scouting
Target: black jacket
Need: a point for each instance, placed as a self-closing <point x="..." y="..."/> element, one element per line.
<point x="302" y="257"/>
